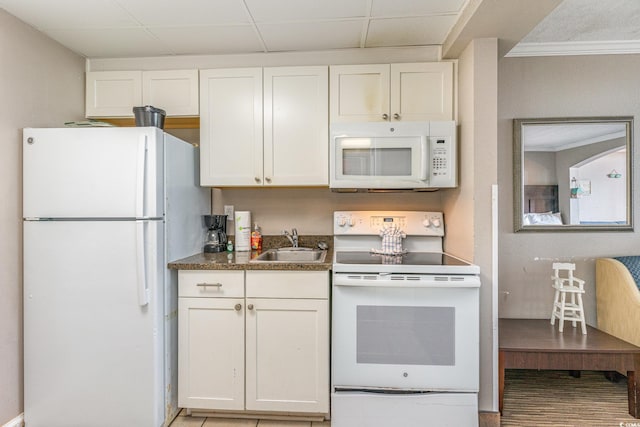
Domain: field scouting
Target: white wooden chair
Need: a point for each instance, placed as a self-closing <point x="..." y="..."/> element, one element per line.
<point x="567" y="308"/>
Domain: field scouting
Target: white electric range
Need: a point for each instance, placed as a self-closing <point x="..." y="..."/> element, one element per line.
<point x="405" y="324"/>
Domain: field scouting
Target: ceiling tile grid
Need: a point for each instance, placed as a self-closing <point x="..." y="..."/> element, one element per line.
<point x="140" y="28"/>
<point x="121" y="28"/>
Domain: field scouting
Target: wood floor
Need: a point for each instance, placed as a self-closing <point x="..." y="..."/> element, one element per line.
<point x="554" y="398"/>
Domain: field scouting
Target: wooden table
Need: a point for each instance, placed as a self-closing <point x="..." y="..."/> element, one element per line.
<point x="536" y="344"/>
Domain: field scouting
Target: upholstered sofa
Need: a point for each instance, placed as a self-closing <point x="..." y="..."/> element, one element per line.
<point x="618" y="297"/>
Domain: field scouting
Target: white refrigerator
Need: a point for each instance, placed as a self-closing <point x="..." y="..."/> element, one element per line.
<point x="104" y="210"/>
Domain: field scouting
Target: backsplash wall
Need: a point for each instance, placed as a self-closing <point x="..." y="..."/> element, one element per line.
<point x="310" y="210"/>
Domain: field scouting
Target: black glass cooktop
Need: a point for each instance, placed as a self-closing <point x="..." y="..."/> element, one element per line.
<point x="410" y="258"/>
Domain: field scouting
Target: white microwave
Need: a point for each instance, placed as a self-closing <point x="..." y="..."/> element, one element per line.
<point x="399" y="155"/>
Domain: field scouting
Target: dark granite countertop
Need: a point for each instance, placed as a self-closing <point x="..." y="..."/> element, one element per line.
<point x="241" y="260"/>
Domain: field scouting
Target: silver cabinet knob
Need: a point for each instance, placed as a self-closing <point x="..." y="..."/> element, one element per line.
<point x="396" y="116"/>
<point x="250" y="307"/>
<point x="238" y="307"/>
<point x="257" y="179"/>
<point x="268" y="179"/>
<point x="385" y="116"/>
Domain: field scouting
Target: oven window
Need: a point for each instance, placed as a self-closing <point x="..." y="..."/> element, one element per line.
<point x="393" y="335"/>
<point x="376" y="161"/>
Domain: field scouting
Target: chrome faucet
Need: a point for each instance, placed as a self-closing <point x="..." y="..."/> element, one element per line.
<point x="293" y="237"/>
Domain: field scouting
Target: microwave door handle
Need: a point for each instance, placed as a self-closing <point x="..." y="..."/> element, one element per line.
<point x="424" y="158"/>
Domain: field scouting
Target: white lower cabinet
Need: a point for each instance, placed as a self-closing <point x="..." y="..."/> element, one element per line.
<point x="267" y="351"/>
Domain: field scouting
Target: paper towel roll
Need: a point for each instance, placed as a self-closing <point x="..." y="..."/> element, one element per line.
<point x="243" y="230"/>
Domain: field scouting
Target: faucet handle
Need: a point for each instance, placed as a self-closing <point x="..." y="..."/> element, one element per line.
<point x="294" y="231"/>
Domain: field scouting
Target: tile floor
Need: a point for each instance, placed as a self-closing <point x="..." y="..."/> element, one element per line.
<point x="187" y="421"/>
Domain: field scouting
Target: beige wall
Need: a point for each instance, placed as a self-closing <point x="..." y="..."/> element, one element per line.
<point x="42" y="84"/>
<point x="599" y="85"/>
<point x="468" y="209"/>
<point x="310" y="210"/>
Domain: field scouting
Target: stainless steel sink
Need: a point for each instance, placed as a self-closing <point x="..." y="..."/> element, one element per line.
<point x="300" y="255"/>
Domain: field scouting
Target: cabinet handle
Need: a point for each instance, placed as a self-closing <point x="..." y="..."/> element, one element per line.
<point x="268" y="179"/>
<point x="238" y="307"/>
<point x="257" y="179"/>
<point x="250" y="307"/>
<point x="214" y="285"/>
<point x="396" y="116"/>
<point x="385" y="116"/>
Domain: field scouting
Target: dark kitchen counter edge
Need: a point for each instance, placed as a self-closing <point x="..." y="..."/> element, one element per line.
<point x="241" y="260"/>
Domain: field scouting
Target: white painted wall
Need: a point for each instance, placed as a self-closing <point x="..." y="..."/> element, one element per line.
<point x="274" y="59"/>
<point x="603" y="204"/>
<point x="467" y="209"/>
<point x="42" y="84"/>
<point x="601" y="85"/>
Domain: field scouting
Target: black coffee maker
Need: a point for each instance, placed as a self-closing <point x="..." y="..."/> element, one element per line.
<point x="216" y="240"/>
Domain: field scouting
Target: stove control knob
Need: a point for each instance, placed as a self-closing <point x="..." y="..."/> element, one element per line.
<point x="436" y="222"/>
<point x="426" y="222"/>
<point x="352" y="222"/>
<point x="342" y="221"/>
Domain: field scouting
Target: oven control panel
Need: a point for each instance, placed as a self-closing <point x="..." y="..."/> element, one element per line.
<point x="414" y="223"/>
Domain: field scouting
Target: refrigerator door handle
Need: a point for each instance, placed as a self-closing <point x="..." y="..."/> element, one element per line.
<point x="143" y="289"/>
<point x="141" y="174"/>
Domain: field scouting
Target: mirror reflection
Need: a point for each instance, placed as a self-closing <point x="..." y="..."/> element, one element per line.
<point x="572" y="174"/>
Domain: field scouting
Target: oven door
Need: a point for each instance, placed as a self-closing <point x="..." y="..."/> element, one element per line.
<point x="391" y="335"/>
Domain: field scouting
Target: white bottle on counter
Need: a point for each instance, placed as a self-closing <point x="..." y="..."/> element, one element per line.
<point x="243" y="230"/>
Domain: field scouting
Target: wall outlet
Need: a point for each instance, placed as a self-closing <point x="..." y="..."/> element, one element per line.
<point x="228" y="210"/>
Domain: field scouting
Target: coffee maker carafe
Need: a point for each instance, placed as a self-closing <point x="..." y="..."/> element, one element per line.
<point x="216" y="240"/>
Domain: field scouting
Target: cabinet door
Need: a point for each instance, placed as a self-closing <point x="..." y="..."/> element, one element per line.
<point x="231" y="127"/>
<point x="112" y="93"/>
<point x="175" y="91"/>
<point x="211" y="353"/>
<point x="359" y="93"/>
<point x="287" y="361"/>
<point x="296" y="126"/>
<point x="422" y="91"/>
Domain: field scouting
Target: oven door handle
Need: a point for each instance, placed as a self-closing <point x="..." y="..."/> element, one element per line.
<point x="380" y="282"/>
<point x="424" y="282"/>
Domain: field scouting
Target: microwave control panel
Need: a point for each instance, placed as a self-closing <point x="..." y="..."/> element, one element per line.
<point x="442" y="155"/>
<point x="441" y="161"/>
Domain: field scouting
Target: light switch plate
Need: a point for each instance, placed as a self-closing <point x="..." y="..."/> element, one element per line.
<point x="228" y="210"/>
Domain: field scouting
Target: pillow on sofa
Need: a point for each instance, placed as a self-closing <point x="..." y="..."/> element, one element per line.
<point x="633" y="265"/>
<point x="542" y="218"/>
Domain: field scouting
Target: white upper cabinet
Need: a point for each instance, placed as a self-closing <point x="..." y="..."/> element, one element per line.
<point x="231" y="127"/>
<point x="296" y="126"/>
<point x="175" y="91"/>
<point x="392" y="92"/>
<point x="115" y="93"/>
<point x="264" y="127"/>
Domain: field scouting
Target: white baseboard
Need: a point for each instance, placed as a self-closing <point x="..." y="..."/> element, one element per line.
<point x="16" y="422"/>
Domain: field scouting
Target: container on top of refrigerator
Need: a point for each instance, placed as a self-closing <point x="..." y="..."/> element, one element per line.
<point x="149" y="116"/>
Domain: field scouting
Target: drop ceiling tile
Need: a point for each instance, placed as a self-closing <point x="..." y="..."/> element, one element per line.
<point x="305" y="10"/>
<point x="312" y="35"/>
<point x="185" y="13"/>
<point x="408" y="31"/>
<point x="414" y="7"/>
<point x="103" y="43"/>
<point x="221" y="39"/>
<point x="69" y="14"/>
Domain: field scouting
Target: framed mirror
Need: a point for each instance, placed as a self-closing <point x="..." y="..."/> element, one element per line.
<point x="573" y="174"/>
